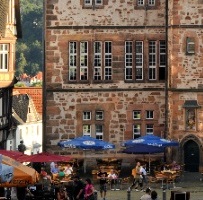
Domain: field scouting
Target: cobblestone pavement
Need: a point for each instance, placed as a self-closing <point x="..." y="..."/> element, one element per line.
<point x="189" y="182"/>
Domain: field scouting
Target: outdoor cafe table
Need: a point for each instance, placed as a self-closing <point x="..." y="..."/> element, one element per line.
<point x="169" y="176"/>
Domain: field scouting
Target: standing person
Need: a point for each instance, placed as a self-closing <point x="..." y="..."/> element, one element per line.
<point x="154" y="195"/>
<point x="89" y="190"/>
<point x="136" y="181"/>
<point x="21" y="147"/>
<point x="79" y="187"/>
<point x="143" y="175"/>
<point x="102" y="176"/>
<point x="147" y="195"/>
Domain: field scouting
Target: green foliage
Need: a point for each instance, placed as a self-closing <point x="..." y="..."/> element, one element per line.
<point x="38" y="84"/>
<point x="29" y="49"/>
<point x="20" y="84"/>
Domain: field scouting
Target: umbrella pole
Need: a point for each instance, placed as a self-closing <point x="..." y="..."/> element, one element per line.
<point x="149" y="164"/>
<point x="85" y="163"/>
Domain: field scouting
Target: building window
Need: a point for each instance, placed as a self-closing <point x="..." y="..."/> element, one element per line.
<point x="87" y="130"/>
<point x="162" y="60"/>
<point x="139" y="60"/>
<point x="99" y="115"/>
<point x="136" y="114"/>
<point x="93" y="2"/>
<point x="97" y="60"/>
<point x="83" y="60"/>
<point x="72" y="61"/>
<point x="151" y="2"/>
<point x="149" y="114"/>
<point x="86" y="115"/>
<point x="152" y="60"/>
<point x="128" y="60"/>
<point x="4" y="54"/>
<point x="136" y="131"/>
<point x="140" y="2"/>
<point x="190" y="46"/>
<point x="146" y="2"/>
<point x="99" y="131"/>
<point x="149" y="129"/>
<point x="108" y="60"/>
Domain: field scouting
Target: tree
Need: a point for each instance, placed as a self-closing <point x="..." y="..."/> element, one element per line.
<point x="29" y="56"/>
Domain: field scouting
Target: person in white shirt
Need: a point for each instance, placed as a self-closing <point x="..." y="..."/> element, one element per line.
<point x="143" y="175"/>
<point x="112" y="176"/>
<point x="68" y="170"/>
<point x="147" y="195"/>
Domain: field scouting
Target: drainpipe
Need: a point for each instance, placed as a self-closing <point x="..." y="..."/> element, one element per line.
<point x="44" y="82"/>
<point x="166" y="72"/>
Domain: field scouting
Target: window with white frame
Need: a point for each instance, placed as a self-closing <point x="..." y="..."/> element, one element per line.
<point x="99" y="115"/>
<point x="83" y="60"/>
<point x="99" y="131"/>
<point x="152" y="60"/>
<point x="149" y="114"/>
<point x="86" y="130"/>
<point x="140" y="2"/>
<point x="151" y="2"/>
<point x="72" y="60"/>
<point x="149" y="129"/>
<point x="97" y="60"/>
<point x="107" y="60"/>
<point x="136" y="130"/>
<point x="128" y="60"/>
<point x="139" y="60"/>
<point x="86" y="115"/>
<point x="136" y="114"/>
<point x="162" y="59"/>
<point x="93" y="2"/>
<point x="4" y="55"/>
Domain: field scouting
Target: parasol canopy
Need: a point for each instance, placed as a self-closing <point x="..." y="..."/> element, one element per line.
<point x="151" y="140"/>
<point x="10" y="153"/>
<point x="22" y="174"/>
<point x="86" y="143"/>
<point x="43" y="157"/>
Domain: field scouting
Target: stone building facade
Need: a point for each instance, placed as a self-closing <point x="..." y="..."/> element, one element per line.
<point x="117" y="70"/>
<point x="10" y="31"/>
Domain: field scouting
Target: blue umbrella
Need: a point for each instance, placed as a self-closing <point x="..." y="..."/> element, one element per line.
<point x="86" y="143"/>
<point x="143" y="149"/>
<point x="151" y="140"/>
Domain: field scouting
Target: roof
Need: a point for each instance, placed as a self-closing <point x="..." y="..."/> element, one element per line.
<point x="23" y="109"/>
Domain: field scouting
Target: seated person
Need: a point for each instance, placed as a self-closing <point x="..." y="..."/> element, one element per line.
<point x="68" y="170"/>
<point x="175" y="166"/>
<point x="61" y="174"/>
<point x="54" y="169"/>
<point x="43" y="172"/>
<point x="62" y="194"/>
<point x="112" y="176"/>
<point x="46" y="182"/>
